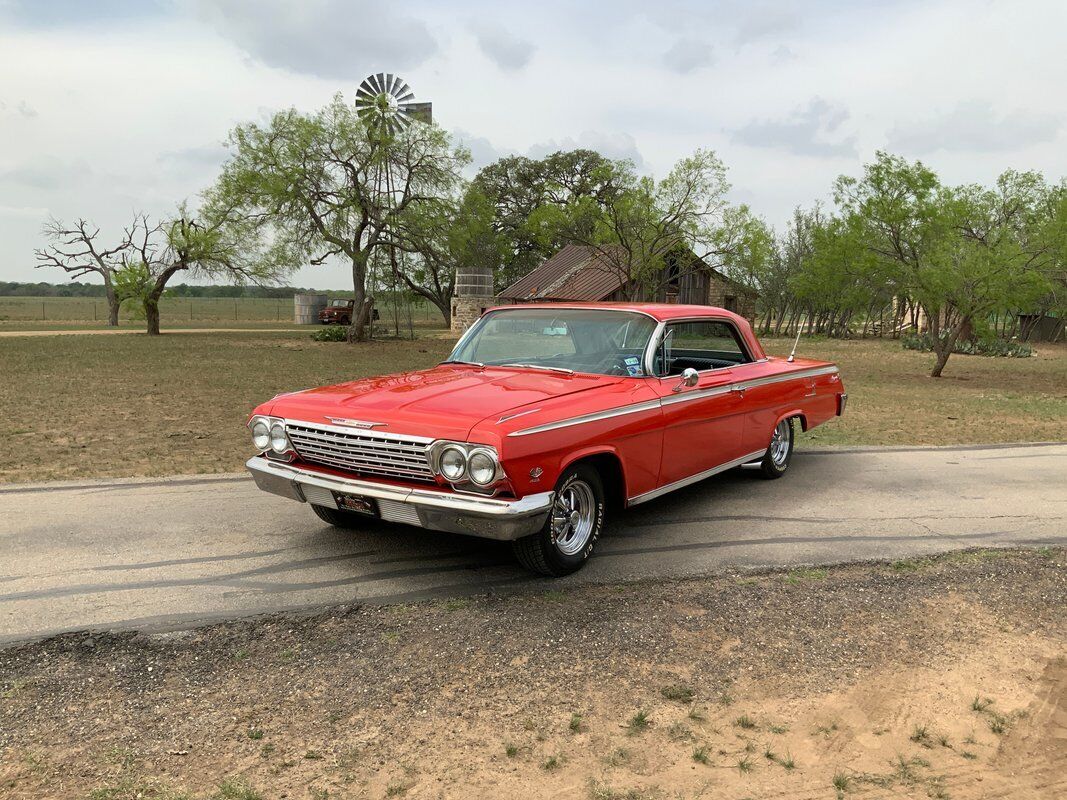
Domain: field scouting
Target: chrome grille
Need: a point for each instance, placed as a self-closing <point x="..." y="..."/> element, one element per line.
<point x="361" y="452"/>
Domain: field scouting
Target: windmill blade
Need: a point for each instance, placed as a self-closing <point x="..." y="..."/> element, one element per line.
<point x="381" y="82"/>
<point x="401" y="90"/>
<point x="367" y="86"/>
<point x="365" y="95"/>
<point x="410" y="95"/>
<point x="394" y="83"/>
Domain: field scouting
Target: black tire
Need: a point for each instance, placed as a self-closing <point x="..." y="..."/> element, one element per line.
<point x="339" y="518"/>
<point x="774" y="464"/>
<point x="540" y="552"/>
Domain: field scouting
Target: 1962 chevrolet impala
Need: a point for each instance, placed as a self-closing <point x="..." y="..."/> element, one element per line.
<point x="543" y="418"/>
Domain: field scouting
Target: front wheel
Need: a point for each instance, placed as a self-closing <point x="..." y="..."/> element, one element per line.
<point x="573" y="526"/>
<point x="780" y="453"/>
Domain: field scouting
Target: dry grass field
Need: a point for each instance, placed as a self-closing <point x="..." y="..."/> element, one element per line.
<point x="933" y="678"/>
<point x="81" y="406"/>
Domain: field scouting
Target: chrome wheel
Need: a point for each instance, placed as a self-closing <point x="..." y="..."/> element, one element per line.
<point x="780" y="442"/>
<point x="573" y="515"/>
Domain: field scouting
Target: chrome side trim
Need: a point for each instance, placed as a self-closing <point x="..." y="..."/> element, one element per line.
<point x="684" y="397"/>
<point x="636" y="408"/>
<point x="670" y="487"/>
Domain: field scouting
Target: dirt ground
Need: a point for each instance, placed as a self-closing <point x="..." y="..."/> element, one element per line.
<point x="929" y="678"/>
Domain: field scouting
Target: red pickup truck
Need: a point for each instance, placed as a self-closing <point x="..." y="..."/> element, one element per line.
<point x="544" y="419"/>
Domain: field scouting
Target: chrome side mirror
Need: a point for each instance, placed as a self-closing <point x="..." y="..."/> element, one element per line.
<point x="690" y="377"/>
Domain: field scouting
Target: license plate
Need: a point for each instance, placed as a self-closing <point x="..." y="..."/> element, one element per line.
<point x="357" y="503"/>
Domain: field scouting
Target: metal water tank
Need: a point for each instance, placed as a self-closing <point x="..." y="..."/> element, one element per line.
<point x="474" y="282"/>
<point x="306" y="308"/>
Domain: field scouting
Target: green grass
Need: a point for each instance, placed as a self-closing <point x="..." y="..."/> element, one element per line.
<point x="893" y="401"/>
<point x="638" y="723"/>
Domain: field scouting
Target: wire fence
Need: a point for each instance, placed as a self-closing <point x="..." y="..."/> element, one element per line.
<point x="175" y="310"/>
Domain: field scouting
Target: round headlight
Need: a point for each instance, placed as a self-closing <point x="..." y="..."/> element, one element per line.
<point x="279" y="442"/>
<point x="261" y="434"/>
<point x="482" y="468"/>
<point x="453" y="463"/>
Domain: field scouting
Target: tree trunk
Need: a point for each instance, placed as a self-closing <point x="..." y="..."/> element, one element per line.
<point x="151" y="313"/>
<point x="357" y="331"/>
<point x="112" y="302"/>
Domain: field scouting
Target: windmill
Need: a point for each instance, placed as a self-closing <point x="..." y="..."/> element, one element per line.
<point x="385" y="104"/>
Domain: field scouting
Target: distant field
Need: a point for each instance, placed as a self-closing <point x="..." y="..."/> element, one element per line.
<point x="18" y="312"/>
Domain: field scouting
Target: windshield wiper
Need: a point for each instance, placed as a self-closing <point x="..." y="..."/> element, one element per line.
<point x="564" y="370"/>
<point x="460" y="361"/>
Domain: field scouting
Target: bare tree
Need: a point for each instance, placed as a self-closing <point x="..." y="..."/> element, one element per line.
<point x="184" y="243"/>
<point x="75" y="249"/>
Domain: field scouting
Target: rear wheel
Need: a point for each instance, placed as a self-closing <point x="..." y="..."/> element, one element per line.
<point x="780" y="453"/>
<point x="573" y="526"/>
<point x="339" y="518"/>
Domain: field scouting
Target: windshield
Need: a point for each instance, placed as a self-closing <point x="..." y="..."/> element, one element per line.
<point x="339" y="303"/>
<point x="571" y="339"/>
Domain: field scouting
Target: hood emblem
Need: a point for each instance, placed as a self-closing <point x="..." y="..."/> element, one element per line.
<point x="356" y="423"/>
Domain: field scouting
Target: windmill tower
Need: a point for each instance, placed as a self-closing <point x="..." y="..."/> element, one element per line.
<point x="386" y="105"/>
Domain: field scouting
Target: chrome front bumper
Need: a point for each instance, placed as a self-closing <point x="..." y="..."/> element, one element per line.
<point x="487" y="517"/>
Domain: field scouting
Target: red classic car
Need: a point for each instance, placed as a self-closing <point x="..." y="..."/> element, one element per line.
<point x="542" y="419"/>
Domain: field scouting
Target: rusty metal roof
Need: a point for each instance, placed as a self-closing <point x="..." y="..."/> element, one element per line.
<point x="577" y="272"/>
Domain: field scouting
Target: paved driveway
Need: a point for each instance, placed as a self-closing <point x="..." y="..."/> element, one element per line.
<point x="157" y="554"/>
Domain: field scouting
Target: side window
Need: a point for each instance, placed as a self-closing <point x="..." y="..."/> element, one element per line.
<point x="701" y="345"/>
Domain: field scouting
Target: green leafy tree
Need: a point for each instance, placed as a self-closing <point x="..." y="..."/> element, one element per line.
<point x="960" y="253"/>
<point x="307" y="186"/>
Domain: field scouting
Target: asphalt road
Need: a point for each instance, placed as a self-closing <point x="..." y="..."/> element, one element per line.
<point x="169" y="553"/>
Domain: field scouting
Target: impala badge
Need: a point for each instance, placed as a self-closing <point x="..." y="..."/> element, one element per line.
<point x="535" y="474"/>
<point x="355" y="423"/>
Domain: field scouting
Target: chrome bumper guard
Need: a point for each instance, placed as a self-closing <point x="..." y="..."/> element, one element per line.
<point x="487" y="517"/>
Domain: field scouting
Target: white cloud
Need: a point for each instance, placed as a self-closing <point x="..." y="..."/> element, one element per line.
<point x="977" y="127"/>
<point x="808" y="131"/>
<point x="612" y="145"/>
<point x="329" y="38"/>
<point x="503" y="48"/>
<point x="687" y="54"/>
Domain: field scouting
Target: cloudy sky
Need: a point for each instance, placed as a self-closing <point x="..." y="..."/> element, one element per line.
<point x="113" y="106"/>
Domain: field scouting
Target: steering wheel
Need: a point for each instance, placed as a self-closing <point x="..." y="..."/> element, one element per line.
<point x="618" y="366"/>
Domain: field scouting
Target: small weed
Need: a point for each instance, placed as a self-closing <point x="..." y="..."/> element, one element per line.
<point x="618" y="757"/>
<point x="390" y="637"/>
<point x="920" y="735"/>
<point x="551" y="763"/>
<point x="744" y="764"/>
<point x="638" y="723"/>
<point x="726" y="699"/>
<point x="554" y="596"/>
<point x="800" y="575"/>
<point x="678" y="692"/>
<point x="334" y="717"/>
<point x="313" y="755"/>
<point x="511" y="750"/>
<point x="397" y="789"/>
<point x="912" y="564"/>
<point x="968" y="755"/>
<point x="679" y="732"/>
<point x="576" y="725"/>
<point x="701" y="755"/>
<point x="255" y="734"/>
<point x="288" y="654"/>
<point x="970" y="739"/>
<point x="529" y="725"/>
<point x="458" y="604"/>
<point x="599" y="791"/>
<point x="788" y="763"/>
<point x="746" y="722"/>
<point x="981" y="704"/>
<point x="697" y="715"/>
<point x="943" y="741"/>
<point x="841" y="783"/>
<point x="266" y="751"/>
<point x="233" y="789"/>
<point x="998" y="723"/>
<point x="17" y="686"/>
<point x="778" y="730"/>
<point x="827" y="730"/>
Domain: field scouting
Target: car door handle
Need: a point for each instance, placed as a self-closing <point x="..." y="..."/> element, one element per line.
<point x="738" y="389"/>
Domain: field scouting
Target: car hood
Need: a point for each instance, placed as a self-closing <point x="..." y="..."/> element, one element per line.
<point x="444" y="402"/>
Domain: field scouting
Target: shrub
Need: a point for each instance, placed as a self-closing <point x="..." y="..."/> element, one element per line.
<point x="978" y="347"/>
<point x="331" y="333"/>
